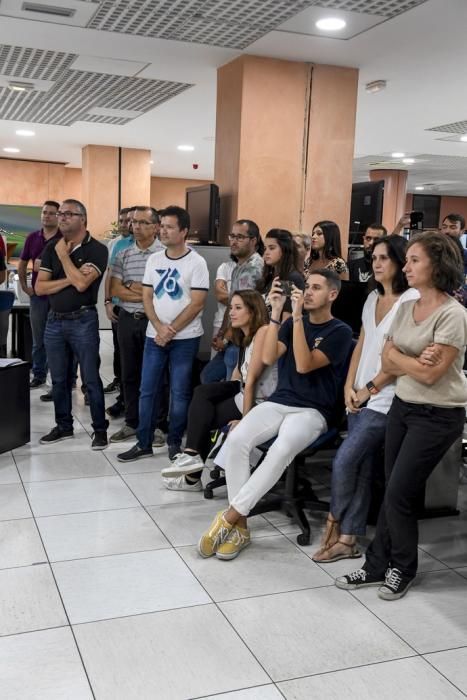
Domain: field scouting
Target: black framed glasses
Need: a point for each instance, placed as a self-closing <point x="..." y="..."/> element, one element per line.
<point x="67" y="214"/>
<point x="238" y="236"/>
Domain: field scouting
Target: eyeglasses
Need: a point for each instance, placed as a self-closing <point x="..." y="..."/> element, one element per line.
<point x="142" y="222"/>
<point x="67" y="214"/>
<point x="238" y="237"/>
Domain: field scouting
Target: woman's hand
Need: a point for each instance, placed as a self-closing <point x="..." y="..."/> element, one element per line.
<point x="297" y="300"/>
<point x="232" y="424"/>
<point x="351" y="400"/>
<point x="430" y="356"/>
<point x="276" y="298"/>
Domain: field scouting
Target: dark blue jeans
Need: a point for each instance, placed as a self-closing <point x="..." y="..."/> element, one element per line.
<point x="80" y="337"/>
<point x="38" y="312"/>
<point x="221" y="366"/>
<point x="180" y="356"/>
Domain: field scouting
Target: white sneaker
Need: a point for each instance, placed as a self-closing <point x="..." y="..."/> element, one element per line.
<point x="184" y="464"/>
<point x="179" y="483"/>
<point x="158" y="439"/>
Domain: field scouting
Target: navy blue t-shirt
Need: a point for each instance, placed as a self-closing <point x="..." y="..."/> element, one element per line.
<point x="317" y="389"/>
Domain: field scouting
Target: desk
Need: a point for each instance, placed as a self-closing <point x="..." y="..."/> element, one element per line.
<point x="15" y="417"/>
<point x="21" y="336"/>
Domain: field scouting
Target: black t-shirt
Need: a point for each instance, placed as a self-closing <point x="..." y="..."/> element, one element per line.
<point x="360" y="270"/>
<point x="2" y="262"/>
<point x="69" y="299"/>
<point x="317" y="389"/>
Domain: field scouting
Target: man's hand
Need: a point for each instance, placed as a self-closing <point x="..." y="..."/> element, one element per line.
<point x="63" y="249"/>
<point x="351" y="400"/>
<point x="86" y="269"/>
<point x="297" y="300"/>
<point x="165" y="333"/>
<point x="29" y="291"/>
<point x="109" y="310"/>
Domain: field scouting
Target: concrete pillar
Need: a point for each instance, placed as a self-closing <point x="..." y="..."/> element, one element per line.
<point x="395" y="191"/>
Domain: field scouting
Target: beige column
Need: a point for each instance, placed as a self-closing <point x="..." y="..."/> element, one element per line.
<point x="395" y="191"/>
<point x="284" y="143"/>
<point x="135" y="177"/>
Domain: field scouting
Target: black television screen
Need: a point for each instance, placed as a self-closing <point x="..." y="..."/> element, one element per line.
<point x="367" y="205"/>
<point x="202" y="204"/>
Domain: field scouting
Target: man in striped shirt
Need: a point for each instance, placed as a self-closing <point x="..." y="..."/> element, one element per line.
<point x="126" y="276"/>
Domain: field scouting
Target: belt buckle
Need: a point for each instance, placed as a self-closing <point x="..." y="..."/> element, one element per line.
<point x="139" y="315"/>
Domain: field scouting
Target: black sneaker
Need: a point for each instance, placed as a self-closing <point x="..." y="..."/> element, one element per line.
<point x="174" y="451"/>
<point x="135" y="453"/>
<point x="113" y="386"/>
<point x="47" y="397"/>
<point x="395" y="585"/>
<point x="34" y="383"/>
<point x="116" y="410"/>
<point x="99" y="440"/>
<point x="358" y="579"/>
<point x="55" y="435"/>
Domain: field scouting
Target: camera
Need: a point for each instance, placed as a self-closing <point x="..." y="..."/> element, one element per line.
<point x="286" y="287"/>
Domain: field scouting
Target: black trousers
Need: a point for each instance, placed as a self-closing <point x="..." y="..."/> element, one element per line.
<point x="131" y="334"/>
<point x="212" y="406"/>
<point x="117" y="367"/>
<point x="417" y="437"/>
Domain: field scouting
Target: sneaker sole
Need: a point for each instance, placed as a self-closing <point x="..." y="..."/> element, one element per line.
<point x="52" y="442"/>
<point x="233" y="555"/>
<point x="99" y="447"/>
<point x="134" y="459"/>
<point x="187" y="488"/>
<point x="123" y="439"/>
<point x="354" y="586"/>
<point x="393" y="596"/>
<point x="184" y="471"/>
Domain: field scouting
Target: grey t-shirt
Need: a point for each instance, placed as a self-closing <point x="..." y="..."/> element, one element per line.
<point x="447" y="326"/>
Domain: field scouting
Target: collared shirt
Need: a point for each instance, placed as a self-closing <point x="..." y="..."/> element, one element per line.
<point x="129" y="266"/>
<point x="33" y="247"/>
<point x="245" y="275"/>
<point x="89" y="251"/>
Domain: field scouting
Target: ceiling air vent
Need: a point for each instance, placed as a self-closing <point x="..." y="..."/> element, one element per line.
<point x="48" y="9"/>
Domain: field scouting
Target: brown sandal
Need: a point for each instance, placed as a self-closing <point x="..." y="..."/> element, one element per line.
<point x="331" y="531"/>
<point x="354" y="553"/>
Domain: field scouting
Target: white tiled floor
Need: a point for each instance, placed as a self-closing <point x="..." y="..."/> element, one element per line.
<point x="102" y="593"/>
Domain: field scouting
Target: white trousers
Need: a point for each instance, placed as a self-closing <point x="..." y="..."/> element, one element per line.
<point x="296" y="428"/>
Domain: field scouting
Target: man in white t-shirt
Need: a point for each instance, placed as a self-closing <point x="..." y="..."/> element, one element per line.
<point x="175" y="287"/>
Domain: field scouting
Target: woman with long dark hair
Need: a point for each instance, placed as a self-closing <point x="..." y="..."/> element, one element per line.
<point x="368" y="396"/>
<point x="280" y="261"/>
<point x="326" y="250"/>
<point x="425" y="351"/>
<point x="217" y="404"/>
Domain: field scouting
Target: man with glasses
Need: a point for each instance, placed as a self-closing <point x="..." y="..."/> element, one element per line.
<point x="360" y="269"/>
<point x="70" y="274"/>
<point x="247" y="247"/>
<point x="127" y="274"/>
<point x="39" y="305"/>
<point x="175" y="287"/>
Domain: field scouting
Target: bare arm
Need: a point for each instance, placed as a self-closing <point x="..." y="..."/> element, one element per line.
<point x="415" y="367"/>
<point x="221" y="292"/>
<point x="306" y="360"/>
<point x="78" y="279"/>
<point x="45" y="285"/>
<point x="22" y="274"/>
<point x="118" y="289"/>
<point x="198" y="300"/>
<point x="255" y="369"/>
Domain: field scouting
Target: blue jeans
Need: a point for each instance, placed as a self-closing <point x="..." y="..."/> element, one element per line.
<point x="80" y="337"/>
<point x="352" y="470"/>
<point x="180" y="356"/>
<point x="221" y="366"/>
<point x="39" y="309"/>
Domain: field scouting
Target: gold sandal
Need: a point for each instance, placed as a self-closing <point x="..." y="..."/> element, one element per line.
<point x="354" y="553"/>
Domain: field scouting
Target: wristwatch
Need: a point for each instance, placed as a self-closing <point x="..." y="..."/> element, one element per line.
<point x="372" y="388"/>
<point x="128" y="284"/>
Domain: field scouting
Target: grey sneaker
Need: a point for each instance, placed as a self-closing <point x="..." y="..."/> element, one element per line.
<point x="125" y="433"/>
<point x="158" y="439"/>
<point x="179" y="483"/>
<point x="184" y="464"/>
<point x="174" y="451"/>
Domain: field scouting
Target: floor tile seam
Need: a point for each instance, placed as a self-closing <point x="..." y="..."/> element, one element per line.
<point x="425" y="551"/>
<point x="142" y="613"/>
<point x="59" y="593"/>
<point x="441" y="672"/>
<point x="84" y="512"/>
<point x="33" y="631"/>
<point x="266" y="595"/>
<point x="254" y="538"/>
<point x="72" y="478"/>
<point x="239" y="690"/>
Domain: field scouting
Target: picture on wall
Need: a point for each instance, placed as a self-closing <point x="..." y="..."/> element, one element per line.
<point x="18" y="221"/>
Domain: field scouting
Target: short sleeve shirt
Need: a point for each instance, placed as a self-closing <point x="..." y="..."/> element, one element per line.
<point x="172" y="281"/>
<point x="447" y="325"/>
<point x="34" y="244"/>
<point x="224" y="273"/>
<point x="129" y="265"/>
<point x="317" y="389"/>
<point x="246" y="275"/>
<point x="90" y="251"/>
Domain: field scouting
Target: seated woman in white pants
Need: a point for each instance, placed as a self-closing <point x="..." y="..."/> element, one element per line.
<point x="311" y="349"/>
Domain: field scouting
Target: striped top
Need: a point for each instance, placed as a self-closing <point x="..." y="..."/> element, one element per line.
<point x="129" y="266"/>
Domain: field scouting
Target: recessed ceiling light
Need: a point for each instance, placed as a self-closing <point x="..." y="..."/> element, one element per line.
<point x="396" y="154"/>
<point x="151" y="162"/>
<point x="330" y="24"/>
<point x="186" y="148"/>
<point x="464" y="138"/>
<point x="20" y="86"/>
<point x="25" y="132"/>
<point x="408" y="161"/>
<point x="10" y="149"/>
<point x="420" y="187"/>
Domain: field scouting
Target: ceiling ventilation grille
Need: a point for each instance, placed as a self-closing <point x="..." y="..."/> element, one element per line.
<point x="454" y="128"/>
<point x="74" y="93"/>
<point x="227" y="23"/>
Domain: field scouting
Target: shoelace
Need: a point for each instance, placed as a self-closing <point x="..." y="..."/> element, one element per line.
<point x="235" y="537"/>
<point x="393" y="579"/>
<point x="357" y="575"/>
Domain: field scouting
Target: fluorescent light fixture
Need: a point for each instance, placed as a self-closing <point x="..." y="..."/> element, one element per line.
<point x="185" y="147"/>
<point x="420" y="188"/>
<point x="20" y="86"/>
<point x="25" y="132"/>
<point x="330" y="24"/>
<point x="464" y="138"/>
<point x="408" y="161"/>
<point x="375" y="86"/>
<point x="397" y="154"/>
<point x="10" y="149"/>
<point x="48" y="9"/>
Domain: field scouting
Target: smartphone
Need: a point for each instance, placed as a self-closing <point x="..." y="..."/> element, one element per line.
<point x="416" y="221"/>
<point x="286" y="287"/>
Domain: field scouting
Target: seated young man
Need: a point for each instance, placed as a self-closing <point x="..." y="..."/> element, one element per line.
<point x="312" y="349"/>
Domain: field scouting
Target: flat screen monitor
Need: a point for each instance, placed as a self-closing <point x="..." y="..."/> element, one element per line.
<point x="366" y="207"/>
<point x="202" y="204"/>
